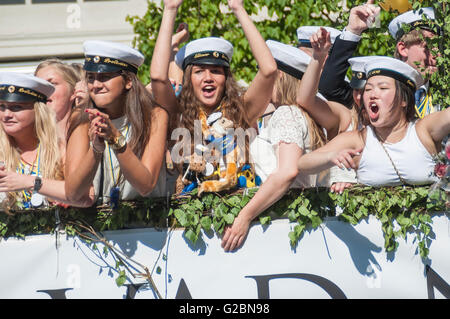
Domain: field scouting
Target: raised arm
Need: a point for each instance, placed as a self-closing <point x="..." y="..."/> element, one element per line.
<point x="307" y="97"/>
<point x="258" y="95"/>
<point x="332" y="82"/>
<point x="162" y="89"/>
<point x="433" y="128"/>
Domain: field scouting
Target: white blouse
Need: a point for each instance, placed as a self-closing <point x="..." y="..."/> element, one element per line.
<point x="289" y="125"/>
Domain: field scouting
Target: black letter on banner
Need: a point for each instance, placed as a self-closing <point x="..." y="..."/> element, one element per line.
<point x="56" y="293"/>
<point x="436" y="281"/>
<point x="132" y="289"/>
<point x="183" y="291"/>
<point x="262" y="283"/>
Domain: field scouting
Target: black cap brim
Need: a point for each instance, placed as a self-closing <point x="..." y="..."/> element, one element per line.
<point x="101" y="68"/>
<point x="14" y="97"/>
<point x="211" y="61"/>
<point x="356" y="84"/>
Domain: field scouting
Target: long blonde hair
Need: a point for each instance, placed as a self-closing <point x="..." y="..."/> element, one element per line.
<point x="286" y="92"/>
<point x="50" y="157"/>
<point x="69" y="73"/>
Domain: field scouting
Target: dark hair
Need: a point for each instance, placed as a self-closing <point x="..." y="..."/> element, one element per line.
<point x="403" y="93"/>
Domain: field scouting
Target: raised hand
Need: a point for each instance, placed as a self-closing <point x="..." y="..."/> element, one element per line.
<point x="81" y="93"/>
<point x="362" y="16"/>
<point x="101" y="129"/>
<point x="235" y="4"/>
<point x="172" y="4"/>
<point x="321" y="44"/>
<point x="181" y="34"/>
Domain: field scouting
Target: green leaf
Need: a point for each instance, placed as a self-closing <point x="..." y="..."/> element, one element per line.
<point x="205" y="221"/>
<point x="120" y="280"/>
<point x="265" y="220"/>
<point x="229" y="218"/>
<point x="191" y="236"/>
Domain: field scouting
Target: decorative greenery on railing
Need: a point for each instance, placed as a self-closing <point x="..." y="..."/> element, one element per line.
<point x="399" y="209"/>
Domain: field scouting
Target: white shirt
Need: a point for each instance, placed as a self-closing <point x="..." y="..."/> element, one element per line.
<point x="414" y="163"/>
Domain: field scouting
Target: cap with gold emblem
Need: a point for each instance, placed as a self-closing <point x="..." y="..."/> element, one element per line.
<point x="106" y="56"/>
<point x="422" y="18"/>
<point x="394" y="68"/>
<point x="357" y="65"/>
<point x="19" y="87"/>
<point x="210" y="50"/>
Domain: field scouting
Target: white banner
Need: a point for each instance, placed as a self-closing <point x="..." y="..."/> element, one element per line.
<point x="337" y="260"/>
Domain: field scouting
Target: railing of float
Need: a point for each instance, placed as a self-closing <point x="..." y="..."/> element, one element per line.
<point x="170" y="247"/>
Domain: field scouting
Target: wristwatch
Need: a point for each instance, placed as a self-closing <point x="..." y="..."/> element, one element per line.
<point x="37" y="184"/>
<point x="118" y="142"/>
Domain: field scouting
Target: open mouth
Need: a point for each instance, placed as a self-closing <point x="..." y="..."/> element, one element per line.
<point x="208" y="90"/>
<point x="373" y="107"/>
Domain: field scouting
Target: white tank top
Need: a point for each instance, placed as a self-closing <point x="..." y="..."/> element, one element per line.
<point x="413" y="161"/>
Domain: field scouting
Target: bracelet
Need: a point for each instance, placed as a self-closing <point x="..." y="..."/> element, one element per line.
<point x="94" y="149"/>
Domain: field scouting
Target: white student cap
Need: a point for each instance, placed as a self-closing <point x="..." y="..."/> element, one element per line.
<point x="210" y="50"/>
<point x="289" y="59"/>
<point x="19" y="87"/>
<point x="357" y="65"/>
<point x="395" y="69"/>
<point x="305" y="32"/>
<point x="106" y="56"/>
<point x="414" y="19"/>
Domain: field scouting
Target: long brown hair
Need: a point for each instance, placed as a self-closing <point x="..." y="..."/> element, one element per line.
<point x="138" y="109"/>
<point x="231" y="106"/>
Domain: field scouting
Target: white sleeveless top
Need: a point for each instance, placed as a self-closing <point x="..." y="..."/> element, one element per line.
<point x="127" y="192"/>
<point x="414" y="163"/>
<point x="261" y="150"/>
<point x="289" y="125"/>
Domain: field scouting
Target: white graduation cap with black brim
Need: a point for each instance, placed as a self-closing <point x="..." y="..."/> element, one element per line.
<point x="305" y="32"/>
<point x="357" y="65"/>
<point x="422" y="18"/>
<point x="106" y="56"/>
<point x="210" y="51"/>
<point x="289" y="59"/>
<point x="19" y="87"/>
<point x="395" y="69"/>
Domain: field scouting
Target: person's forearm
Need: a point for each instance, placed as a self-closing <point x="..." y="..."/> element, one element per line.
<point x="258" y="46"/>
<point x="78" y="180"/>
<point x="309" y="84"/>
<point x="55" y="190"/>
<point x="141" y="178"/>
<point x="314" y="162"/>
<point x="268" y="193"/>
<point x="163" y="48"/>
